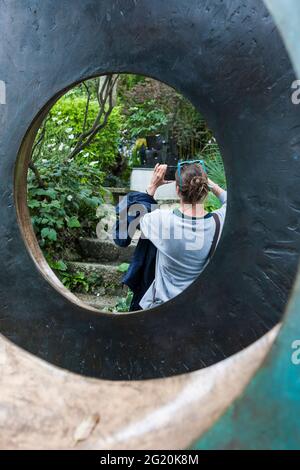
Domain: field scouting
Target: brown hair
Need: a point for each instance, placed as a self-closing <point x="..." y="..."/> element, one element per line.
<point x="193" y="184"/>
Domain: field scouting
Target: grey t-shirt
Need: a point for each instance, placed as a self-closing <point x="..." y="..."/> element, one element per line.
<point x="183" y="245"/>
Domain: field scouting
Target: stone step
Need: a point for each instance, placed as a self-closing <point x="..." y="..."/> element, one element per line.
<point x="104" y="303"/>
<point x="108" y="276"/>
<point x="115" y="194"/>
<point x="103" y="251"/>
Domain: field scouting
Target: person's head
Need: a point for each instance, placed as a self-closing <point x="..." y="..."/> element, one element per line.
<point x="192" y="184"/>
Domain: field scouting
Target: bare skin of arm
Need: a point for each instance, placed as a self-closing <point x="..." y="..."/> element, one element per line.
<point x="158" y="179"/>
<point x="216" y="189"/>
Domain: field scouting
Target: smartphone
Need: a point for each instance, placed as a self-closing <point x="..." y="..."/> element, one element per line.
<point x="171" y="172"/>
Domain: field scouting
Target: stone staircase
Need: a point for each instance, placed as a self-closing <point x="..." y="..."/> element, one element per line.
<point x="105" y="251"/>
<point x="103" y="260"/>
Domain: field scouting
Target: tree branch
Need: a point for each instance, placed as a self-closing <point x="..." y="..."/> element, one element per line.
<point x="104" y="96"/>
<point x="36" y="151"/>
<point x="36" y="172"/>
<point x="86" y="107"/>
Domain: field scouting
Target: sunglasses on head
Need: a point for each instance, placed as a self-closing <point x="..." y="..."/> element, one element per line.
<point x="189" y="162"/>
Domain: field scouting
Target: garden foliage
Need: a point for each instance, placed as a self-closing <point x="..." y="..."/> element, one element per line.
<point x="64" y="193"/>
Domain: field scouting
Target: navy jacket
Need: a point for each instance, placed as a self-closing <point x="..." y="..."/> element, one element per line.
<point x="141" y="272"/>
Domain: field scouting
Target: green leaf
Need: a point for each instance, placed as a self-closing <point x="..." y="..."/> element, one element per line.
<point x="55" y="204"/>
<point x="46" y="192"/>
<point x="46" y="221"/>
<point x="59" y="265"/>
<point x="123" y="268"/>
<point x="49" y="233"/>
<point x="73" y="222"/>
<point x="33" y="203"/>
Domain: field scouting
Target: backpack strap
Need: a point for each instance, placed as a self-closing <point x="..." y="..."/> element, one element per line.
<point x="216" y="236"/>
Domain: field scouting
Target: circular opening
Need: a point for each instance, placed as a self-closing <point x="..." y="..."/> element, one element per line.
<point x="87" y="150"/>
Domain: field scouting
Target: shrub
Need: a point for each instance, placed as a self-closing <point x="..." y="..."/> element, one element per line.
<point x="65" y="208"/>
<point x="152" y="107"/>
<point x="146" y="119"/>
<point x="65" y="124"/>
<point x="215" y="168"/>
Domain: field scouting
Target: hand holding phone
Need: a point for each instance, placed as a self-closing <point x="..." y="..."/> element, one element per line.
<point x="171" y="173"/>
<point x="158" y="179"/>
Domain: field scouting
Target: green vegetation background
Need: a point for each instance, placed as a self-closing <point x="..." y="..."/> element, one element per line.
<point x="63" y="201"/>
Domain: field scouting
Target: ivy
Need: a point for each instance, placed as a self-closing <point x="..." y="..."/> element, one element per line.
<point x="66" y="207"/>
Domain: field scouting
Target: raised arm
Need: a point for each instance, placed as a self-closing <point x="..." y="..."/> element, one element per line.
<point x="158" y="179"/>
<point x="217" y="190"/>
<point x="222" y="196"/>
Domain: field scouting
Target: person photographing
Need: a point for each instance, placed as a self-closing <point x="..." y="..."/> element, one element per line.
<point x="176" y="245"/>
<point x="193" y="232"/>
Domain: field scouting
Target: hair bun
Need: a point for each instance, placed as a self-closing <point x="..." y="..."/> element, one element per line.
<point x="193" y="184"/>
<point x="197" y="181"/>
